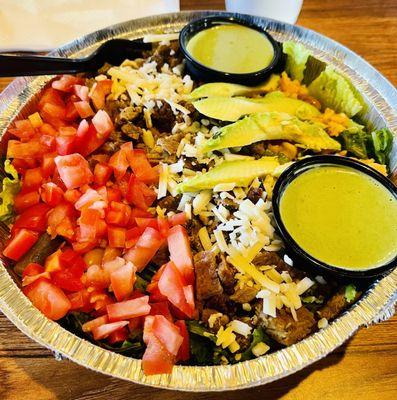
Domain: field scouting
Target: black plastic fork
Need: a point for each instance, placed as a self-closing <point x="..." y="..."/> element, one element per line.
<point x="113" y="52"/>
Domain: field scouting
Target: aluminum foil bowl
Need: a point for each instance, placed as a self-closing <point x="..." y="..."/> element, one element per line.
<point x="377" y="303"/>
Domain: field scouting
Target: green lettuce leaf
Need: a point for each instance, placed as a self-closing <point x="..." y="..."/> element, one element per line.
<point x="382" y="142"/>
<point x="355" y="143"/>
<point x="297" y="56"/>
<point x="334" y="91"/>
<point x="11" y="186"/>
<point x="350" y="293"/>
<point x="258" y="335"/>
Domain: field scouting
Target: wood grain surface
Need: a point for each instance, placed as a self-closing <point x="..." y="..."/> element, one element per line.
<point x="365" y="367"/>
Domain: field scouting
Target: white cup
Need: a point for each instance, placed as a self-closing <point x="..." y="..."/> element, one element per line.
<point x="282" y="10"/>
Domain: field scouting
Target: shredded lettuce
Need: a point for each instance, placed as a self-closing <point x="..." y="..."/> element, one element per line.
<point x="350" y="293"/>
<point x="355" y="143"/>
<point x="297" y="56"/>
<point x="258" y="335"/>
<point x="11" y="186"/>
<point x="335" y="91"/>
<point x="382" y="141"/>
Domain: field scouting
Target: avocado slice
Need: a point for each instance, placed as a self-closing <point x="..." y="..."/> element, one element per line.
<point x="232" y="108"/>
<point x="240" y="172"/>
<point x="223" y="89"/>
<point x="271" y="126"/>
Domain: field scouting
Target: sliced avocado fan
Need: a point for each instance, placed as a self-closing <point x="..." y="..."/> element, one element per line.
<point x="232" y="108"/>
<point x="217" y="89"/>
<point x="240" y="172"/>
<point x="271" y="126"/>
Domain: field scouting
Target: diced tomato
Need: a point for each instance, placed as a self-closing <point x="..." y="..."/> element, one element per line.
<point x="88" y="225"/>
<point x="68" y="279"/>
<point x="65" y="83"/>
<point x="83" y="247"/>
<point x="184" y="350"/>
<point x="145" y="222"/>
<point x="23" y="129"/>
<point x="155" y="295"/>
<point x="100" y="90"/>
<point x="32" y="149"/>
<point x="73" y="170"/>
<point x="67" y="131"/>
<point x="163" y="226"/>
<point x="113" y="265"/>
<point x="87" y="199"/>
<point x="48" y="164"/>
<point x="161" y="308"/>
<point x="102" y="122"/>
<point x="81" y="92"/>
<point x="156" y="359"/>
<point x="177" y="219"/>
<point x="90" y="325"/>
<point x="51" y="194"/>
<point x="102" y="173"/>
<point x="129" y="309"/>
<point x="72" y="195"/>
<point x="23" y="240"/>
<point x="96" y="276"/>
<point x="48" y="298"/>
<point x="122" y="281"/>
<point x="22" y="201"/>
<point x="180" y="252"/>
<point x="84" y="109"/>
<point x="79" y="300"/>
<point x="47" y="129"/>
<point x="139" y="213"/>
<point x="141" y="167"/>
<point x="61" y="221"/>
<point x="51" y="111"/>
<point x="32" y="269"/>
<point x="88" y="139"/>
<point x="50" y="95"/>
<point x="171" y="286"/>
<point x="167" y="333"/>
<point x="119" y="214"/>
<point x="34" y="218"/>
<point x="118" y="336"/>
<point x="27" y="280"/>
<point x="64" y="145"/>
<point x="32" y="179"/>
<point x="48" y="141"/>
<point x="110" y="254"/>
<point x="52" y="261"/>
<point x="145" y="249"/>
<point x="119" y="160"/>
<point x="71" y="112"/>
<point x="103" y="331"/>
<point x="135" y="323"/>
<point x="139" y="194"/>
<point x="114" y="194"/>
<point x="116" y="236"/>
<point x="132" y="236"/>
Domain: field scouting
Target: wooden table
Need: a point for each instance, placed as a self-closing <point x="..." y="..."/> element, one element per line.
<point x="365" y="368"/>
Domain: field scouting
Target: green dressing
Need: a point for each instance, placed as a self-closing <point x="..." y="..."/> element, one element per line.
<point x="232" y="48"/>
<point x="341" y="217"/>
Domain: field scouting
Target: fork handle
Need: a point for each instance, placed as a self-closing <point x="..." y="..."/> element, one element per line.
<point x="11" y="66"/>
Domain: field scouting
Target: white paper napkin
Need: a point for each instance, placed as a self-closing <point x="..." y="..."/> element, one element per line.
<point x="45" y="24"/>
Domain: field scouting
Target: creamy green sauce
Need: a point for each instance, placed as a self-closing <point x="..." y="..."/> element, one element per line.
<point x="231" y="48"/>
<point x="342" y="217"/>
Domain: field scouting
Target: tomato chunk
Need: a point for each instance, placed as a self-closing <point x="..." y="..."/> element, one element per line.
<point x="48" y="298"/>
<point x="145" y="249"/>
<point x="180" y="253"/>
<point x="129" y="309"/>
<point x="90" y="325"/>
<point x="122" y="280"/>
<point x="156" y="359"/>
<point x="184" y="350"/>
<point x="103" y="331"/>
<point x="73" y="170"/>
<point x="167" y="333"/>
<point x="34" y="218"/>
<point x="20" y="244"/>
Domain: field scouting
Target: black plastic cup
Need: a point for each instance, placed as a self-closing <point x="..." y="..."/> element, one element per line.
<point x="206" y="74"/>
<point x="303" y="259"/>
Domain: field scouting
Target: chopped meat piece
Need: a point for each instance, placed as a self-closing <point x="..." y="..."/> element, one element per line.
<point x="230" y="204"/>
<point x="189" y="106"/>
<point x="161" y="257"/>
<point x="254" y="194"/>
<point x="112" y="144"/>
<point x="272" y="258"/>
<point x="170" y="143"/>
<point x="223" y="304"/>
<point x="131" y="130"/>
<point x="285" y="330"/>
<point x="335" y="305"/>
<point x="163" y="118"/>
<point x="128" y="114"/>
<point x="113" y="107"/>
<point x="162" y="55"/>
<point x="169" y="202"/>
<point x="207" y="281"/>
<point x="191" y="163"/>
<point x="193" y="226"/>
<point x="244" y="294"/>
<point x="226" y="274"/>
<point x="221" y="321"/>
<point x="244" y="342"/>
<point x="256" y="149"/>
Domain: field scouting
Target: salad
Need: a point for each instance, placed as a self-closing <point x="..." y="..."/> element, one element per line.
<point x="138" y="202"/>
